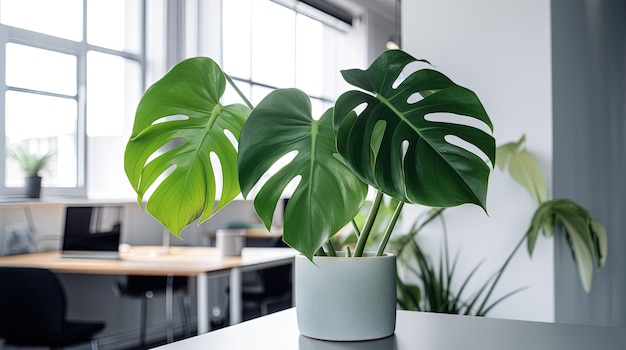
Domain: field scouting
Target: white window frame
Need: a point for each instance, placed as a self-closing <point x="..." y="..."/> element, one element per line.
<point x="80" y="49"/>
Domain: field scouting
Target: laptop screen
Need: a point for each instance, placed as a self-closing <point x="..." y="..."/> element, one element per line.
<point x="92" y="229"/>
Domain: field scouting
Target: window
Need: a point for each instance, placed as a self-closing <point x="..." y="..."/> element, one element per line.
<point x="70" y="70"/>
<point x="281" y="44"/>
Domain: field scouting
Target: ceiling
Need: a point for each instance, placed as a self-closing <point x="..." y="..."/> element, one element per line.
<point x="386" y="8"/>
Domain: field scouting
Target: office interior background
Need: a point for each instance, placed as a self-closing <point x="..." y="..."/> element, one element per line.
<point x="552" y="70"/>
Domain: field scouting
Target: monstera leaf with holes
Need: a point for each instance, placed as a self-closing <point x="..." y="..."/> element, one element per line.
<point x="416" y="159"/>
<point x="328" y="194"/>
<point x="379" y="136"/>
<point x="390" y="144"/>
<point x="179" y="123"/>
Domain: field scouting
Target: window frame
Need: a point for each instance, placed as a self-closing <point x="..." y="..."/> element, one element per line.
<point x="79" y="49"/>
<point x="328" y="96"/>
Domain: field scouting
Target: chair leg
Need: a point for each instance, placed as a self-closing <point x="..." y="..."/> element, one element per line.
<point x="142" y="322"/>
<point x="185" y="313"/>
<point x="263" y="305"/>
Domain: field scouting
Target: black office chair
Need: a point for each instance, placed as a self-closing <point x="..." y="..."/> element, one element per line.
<point x="268" y="286"/>
<point x="33" y="311"/>
<point x="145" y="288"/>
<point x="274" y="288"/>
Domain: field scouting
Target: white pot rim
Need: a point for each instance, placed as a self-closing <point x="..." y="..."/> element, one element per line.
<point x="341" y="255"/>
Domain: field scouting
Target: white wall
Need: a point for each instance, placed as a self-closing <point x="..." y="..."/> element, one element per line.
<point x="501" y="50"/>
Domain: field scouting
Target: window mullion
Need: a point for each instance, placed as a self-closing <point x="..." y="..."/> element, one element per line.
<point x="3" y="89"/>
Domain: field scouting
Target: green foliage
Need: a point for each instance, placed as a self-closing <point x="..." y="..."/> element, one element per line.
<point x="523" y="168"/>
<point x="374" y="136"/>
<point x="585" y="235"/>
<point x="31" y="163"/>
<point x="434" y="291"/>
<point x="177" y="150"/>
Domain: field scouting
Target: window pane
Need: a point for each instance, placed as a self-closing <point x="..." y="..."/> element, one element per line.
<point x="317" y="108"/>
<point x="273" y="44"/>
<point x="236" y="38"/>
<point x="36" y="69"/>
<point x="309" y="55"/>
<point x="258" y="93"/>
<point x="61" y="18"/>
<point x="113" y="90"/>
<point x="114" y="24"/>
<point x="42" y="123"/>
<point x="231" y="96"/>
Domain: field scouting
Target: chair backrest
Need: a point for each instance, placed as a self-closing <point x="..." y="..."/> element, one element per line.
<point x="32" y="304"/>
<point x="277" y="280"/>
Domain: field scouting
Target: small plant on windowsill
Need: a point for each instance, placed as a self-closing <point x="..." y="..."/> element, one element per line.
<point x="388" y="135"/>
<point x="32" y="164"/>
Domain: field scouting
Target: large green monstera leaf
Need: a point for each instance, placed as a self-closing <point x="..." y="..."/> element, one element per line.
<point x="416" y="159"/>
<point x="179" y="123"/>
<point x="328" y="194"/>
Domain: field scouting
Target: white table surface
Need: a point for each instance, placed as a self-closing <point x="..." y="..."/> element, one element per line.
<point x="414" y="330"/>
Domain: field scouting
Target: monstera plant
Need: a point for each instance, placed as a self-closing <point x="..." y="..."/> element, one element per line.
<point x="386" y="135"/>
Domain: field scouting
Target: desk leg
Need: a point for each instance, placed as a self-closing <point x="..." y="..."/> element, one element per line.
<point x="203" y="303"/>
<point x="235" y="296"/>
<point x="169" y="308"/>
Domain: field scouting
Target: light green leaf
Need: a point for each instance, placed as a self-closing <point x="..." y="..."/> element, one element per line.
<point x="586" y="236"/>
<point x="523" y="168"/>
<point x="179" y="122"/>
<point x="582" y="253"/>
<point x="599" y="232"/>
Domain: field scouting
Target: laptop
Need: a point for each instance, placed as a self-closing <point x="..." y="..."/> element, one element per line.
<point x="92" y="232"/>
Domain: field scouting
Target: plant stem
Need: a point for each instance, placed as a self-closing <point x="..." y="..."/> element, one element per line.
<point x="243" y="97"/>
<point x="369" y="223"/>
<point x="432" y="214"/>
<point x="320" y="252"/>
<point x="389" y="229"/>
<point x="357" y="231"/>
<point x="500" y="272"/>
<point x="331" y="248"/>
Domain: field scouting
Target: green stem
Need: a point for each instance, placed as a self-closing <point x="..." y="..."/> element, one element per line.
<point x="433" y="213"/>
<point x="320" y="252"/>
<point x="357" y="231"/>
<point x="500" y="272"/>
<point x="348" y="252"/>
<point x="243" y="97"/>
<point x="390" y="226"/>
<point x="369" y="223"/>
<point x="331" y="248"/>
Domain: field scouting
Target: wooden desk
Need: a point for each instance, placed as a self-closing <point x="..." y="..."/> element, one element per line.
<point x="199" y="262"/>
<point x="414" y="330"/>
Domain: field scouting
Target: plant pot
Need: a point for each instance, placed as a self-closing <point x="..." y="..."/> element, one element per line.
<point x="33" y="186"/>
<point x="346" y="299"/>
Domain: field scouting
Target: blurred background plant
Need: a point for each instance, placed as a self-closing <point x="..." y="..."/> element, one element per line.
<point x="31" y="163"/>
<point x="426" y="285"/>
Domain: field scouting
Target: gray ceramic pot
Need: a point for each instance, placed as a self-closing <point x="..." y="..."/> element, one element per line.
<point x="346" y="299"/>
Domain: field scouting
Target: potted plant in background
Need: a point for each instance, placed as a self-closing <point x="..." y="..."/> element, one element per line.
<point x="387" y="136"/>
<point x="32" y="164"/>
<point x="585" y="235"/>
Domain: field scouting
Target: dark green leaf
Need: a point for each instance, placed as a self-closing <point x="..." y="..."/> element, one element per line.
<point x="328" y="195"/>
<point x="432" y="171"/>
